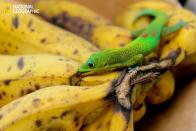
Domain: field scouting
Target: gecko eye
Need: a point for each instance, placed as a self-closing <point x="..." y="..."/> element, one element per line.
<point x="91" y="65"/>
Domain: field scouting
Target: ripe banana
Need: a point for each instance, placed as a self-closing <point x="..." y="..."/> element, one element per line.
<point x="186" y="69"/>
<point x="104" y="32"/>
<point x="15" y="46"/>
<point x="65" y="107"/>
<point x="101" y="123"/>
<point x="140" y="92"/>
<point x="124" y="119"/>
<point x="84" y="22"/>
<point x="20" y="75"/>
<point x="164" y="84"/>
<point x="191" y="59"/>
<point x="182" y="41"/>
<point x="54" y="108"/>
<point x="107" y="121"/>
<point x="63" y="13"/>
<point x="99" y="79"/>
<point x="31" y="30"/>
<point x="139" y="113"/>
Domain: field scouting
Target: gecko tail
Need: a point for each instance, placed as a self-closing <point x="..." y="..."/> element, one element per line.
<point x="150" y="12"/>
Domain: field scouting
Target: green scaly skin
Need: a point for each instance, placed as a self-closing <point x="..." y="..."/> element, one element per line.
<point x="133" y="53"/>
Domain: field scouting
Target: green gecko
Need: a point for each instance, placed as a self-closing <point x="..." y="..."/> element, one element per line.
<point x="133" y="53"/>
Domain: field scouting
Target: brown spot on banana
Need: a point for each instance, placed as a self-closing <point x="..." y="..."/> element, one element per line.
<point x="3" y="93"/>
<point x="15" y="22"/>
<point x="75" y="52"/>
<point x="37" y="86"/>
<point x="36" y="102"/>
<point x="20" y="63"/>
<point x="54" y="117"/>
<point x="22" y="93"/>
<point x="24" y="111"/>
<point x="74" y="24"/>
<point x="76" y="120"/>
<point x="1" y="116"/>
<point x="122" y="44"/>
<point x="30" y="23"/>
<point x="29" y="91"/>
<point x="7" y="82"/>
<point x="9" y="68"/>
<point x="38" y="123"/>
<point x="64" y="114"/>
<point x="43" y="40"/>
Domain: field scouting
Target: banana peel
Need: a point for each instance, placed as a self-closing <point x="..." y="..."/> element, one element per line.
<point x="39" y="110"/>
<point x="84" y="22"/>
<point x="183" y="40"/>
<point x="31" y="30"/>
<point x="23" y="74"/>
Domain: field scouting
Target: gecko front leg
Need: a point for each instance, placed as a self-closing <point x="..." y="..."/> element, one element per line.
<point x="135" y="62"/>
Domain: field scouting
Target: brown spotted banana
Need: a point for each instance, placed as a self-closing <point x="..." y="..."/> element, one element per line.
<point x="26" y="33"/>
<point x="23" y="74"/>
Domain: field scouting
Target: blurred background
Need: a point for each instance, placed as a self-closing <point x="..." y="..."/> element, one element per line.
<point x="109" y="8"/>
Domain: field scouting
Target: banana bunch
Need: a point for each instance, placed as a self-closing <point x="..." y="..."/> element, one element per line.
<point x="32" y="67"/>
<point x="183" y="40"/>
<point x="28" y="34"/>
<point x="23" y="74"/>
<point x="55" y="108"/>
<point x="37" y="86"/>
<point x="81" y="20"/>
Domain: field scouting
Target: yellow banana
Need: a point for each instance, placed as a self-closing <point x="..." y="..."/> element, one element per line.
<point x="84" y="22"/>
<point x="99" y="79"/>
<point x="162" y="90"/>
<point x="15" y="46"/>
<point x="101" y="123"/>
<point x="108" y="120"/>
<point x="182" y="41"/>
<point x="101" y="34"/>
<point x="125" y="18"/>
<point x="67" y="107"/>
<point x="121" y="120"/>
<point x="191" y="59"/>
<point x="186" y="69"/>
<point x="54" y="108"/>
<point x="33" y="31"/>
<point x="68" y="9"/>
<point x="20" y="75"/>
<point x="139" y="113"/>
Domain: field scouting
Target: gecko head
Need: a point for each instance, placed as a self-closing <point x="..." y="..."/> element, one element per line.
<point x="96" y="63"/>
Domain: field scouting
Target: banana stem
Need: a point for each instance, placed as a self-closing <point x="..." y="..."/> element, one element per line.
<point x="143" y="74"/>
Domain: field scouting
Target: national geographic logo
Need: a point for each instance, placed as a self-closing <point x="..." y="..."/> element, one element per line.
<point x="7" y="8"/>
